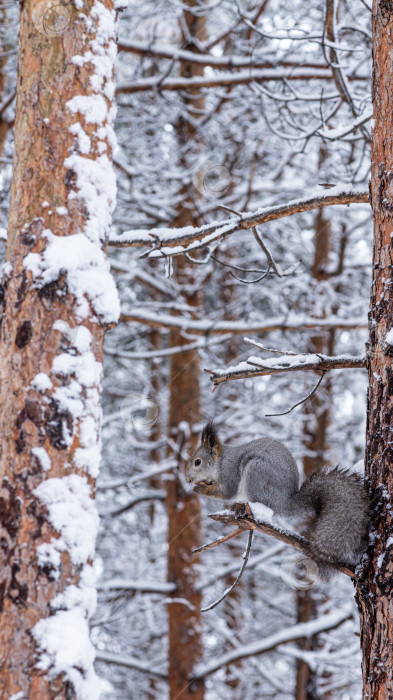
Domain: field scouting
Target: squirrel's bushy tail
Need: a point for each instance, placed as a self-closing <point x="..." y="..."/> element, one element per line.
<point x="338" y="504"/>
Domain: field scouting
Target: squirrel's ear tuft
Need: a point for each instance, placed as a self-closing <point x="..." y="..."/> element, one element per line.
<point x="210" y="440"/>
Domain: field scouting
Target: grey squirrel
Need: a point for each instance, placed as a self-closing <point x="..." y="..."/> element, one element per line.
<point x="333" y="505"/>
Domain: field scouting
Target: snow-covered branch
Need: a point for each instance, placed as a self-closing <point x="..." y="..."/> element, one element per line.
<point x="259" y="367"/>
<point x="121" y="584"/>
<point x="143" y="48"/>
<point x="333" y="134"/>
<point x="156" y="319"/>
<point x="246" y="521"/>
<point x="129" y="662"/>
<point x="228" y="79"/>
<point x="165" y="242"/>
<point x="289" y="634"/>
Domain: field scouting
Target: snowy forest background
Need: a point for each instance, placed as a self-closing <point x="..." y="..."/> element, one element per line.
<point x="274" y="105"/>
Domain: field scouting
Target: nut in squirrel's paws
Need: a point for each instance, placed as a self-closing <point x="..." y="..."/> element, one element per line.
<point x="241" y="510"/>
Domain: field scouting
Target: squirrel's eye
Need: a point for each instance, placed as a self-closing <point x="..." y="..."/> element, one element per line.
<point x="197" y="462"/>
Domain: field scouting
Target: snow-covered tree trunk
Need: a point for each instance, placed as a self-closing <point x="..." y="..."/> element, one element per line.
<point x="57" y="299"/>
<point x="375" y="585"/>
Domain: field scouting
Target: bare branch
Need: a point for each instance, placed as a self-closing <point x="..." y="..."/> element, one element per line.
<point x="220" y="540"/>
<point x="148" y="496"/>
<point x="229" y="590"/>
<point x="303" y="400"/>
<point x="166" y="242"/>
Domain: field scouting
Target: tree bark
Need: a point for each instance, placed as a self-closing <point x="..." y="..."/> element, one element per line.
<point x="51" y="346"/>
<point x="374" y="585"/>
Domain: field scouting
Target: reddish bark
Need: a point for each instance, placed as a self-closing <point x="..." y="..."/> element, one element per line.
<point x="47" y="79"/>
<point x="185" y="645"/>
<point x="375" y="584"/>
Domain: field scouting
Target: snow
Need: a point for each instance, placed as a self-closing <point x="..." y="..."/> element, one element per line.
<point x="87" y="269"/>
<point x="93" y="108"/>
<point x="358" y="468"/>
<point x="84" y="141"/>
<point x="49" y="556"/>
<point x="65" y="647"/>
<point x="63" y="638"/>
<point x="96" y="185"/>
<point x="6" y="269"/>
<point x="81" y="397"/>
<point x="43" y="457"/>
<point x="72" y="512"/>
<point x="261" y="513"/>
<point x="389" y="337"/>
<point x="41" y="383"/>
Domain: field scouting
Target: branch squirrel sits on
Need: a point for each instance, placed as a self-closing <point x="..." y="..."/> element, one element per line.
<point x="333" y="505"/>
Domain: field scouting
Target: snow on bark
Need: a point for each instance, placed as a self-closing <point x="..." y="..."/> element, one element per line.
<point x="87" y="270"/>
<point x="63" y="638"/>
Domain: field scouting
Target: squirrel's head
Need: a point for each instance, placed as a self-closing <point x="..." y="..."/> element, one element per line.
<point x="202" y="470"/>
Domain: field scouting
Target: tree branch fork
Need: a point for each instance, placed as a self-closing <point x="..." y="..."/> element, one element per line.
<point x="243" y="519"/>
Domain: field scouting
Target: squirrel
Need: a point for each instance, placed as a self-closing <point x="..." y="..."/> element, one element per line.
<point x="332" y="505"/>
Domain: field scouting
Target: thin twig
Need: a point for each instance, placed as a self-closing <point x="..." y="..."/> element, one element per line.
<point x="302" y="400"/>
<point x="220" y="540"/>
<point x="246" y="556"/>
<point x="271" y="263"/>
<point x="251" y="341"/>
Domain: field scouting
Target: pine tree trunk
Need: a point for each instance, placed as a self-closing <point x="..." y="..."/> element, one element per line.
<point x="184" y="514"/>
<point x="374" y="589"/>
<point x="51" y="346"/>
<point x="314" y="438"/>
<point x="184" y="522"/>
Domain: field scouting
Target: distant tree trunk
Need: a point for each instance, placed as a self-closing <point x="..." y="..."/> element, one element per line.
<point x="4" y="47"/>
<point x="184" y="522"/>
<point x="314" y="438"/>
<point x="184" y="516"/>
<point x="374" y="590"/>
<point x="57" y="296"/>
